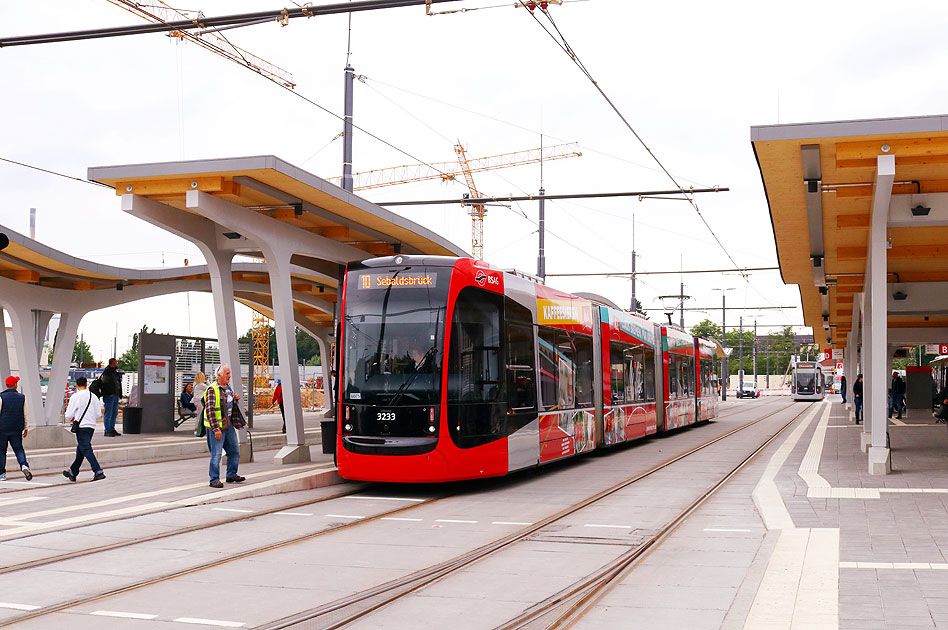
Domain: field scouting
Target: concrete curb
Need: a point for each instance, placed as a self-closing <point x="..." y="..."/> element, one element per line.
<point x="141" y="453"/>
<point x="307" y="480"/>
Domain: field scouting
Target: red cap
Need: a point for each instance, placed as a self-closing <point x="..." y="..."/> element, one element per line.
<point x="12" y="381"/>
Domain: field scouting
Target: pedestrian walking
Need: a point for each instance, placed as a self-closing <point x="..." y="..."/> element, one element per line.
<point x="896" y="395"/>
<point x="13" y="427"/>
<point x="842" y="387"/>
<point x="857" y="398"/>
<point x="83" y="411"/>
<point x="220" y="414"/>
<point x="278" y="398"/>
<point x="111" y="390"/>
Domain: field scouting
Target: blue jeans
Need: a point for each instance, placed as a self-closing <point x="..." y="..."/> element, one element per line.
<point x="842" y="393"/>
<point x="857" y="406"/>
<point x="84" y="451"/>
<point x="229" y="444"/>
<point x="16" y="442"/>
<point x="111" y="412"/>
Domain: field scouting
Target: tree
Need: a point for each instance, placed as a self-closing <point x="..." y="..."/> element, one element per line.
<point x="639" y="310"/>
<point x="81" y="352"/>
<point x="781" y="349"/>
<point x="707" y="329"/>
<point x="307" y="350"/>
<point x="128" y="362"/>
<point x="735" y="339"/>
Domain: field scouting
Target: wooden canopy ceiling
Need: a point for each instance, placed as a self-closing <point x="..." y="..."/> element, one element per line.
<point x="847" y="161"/>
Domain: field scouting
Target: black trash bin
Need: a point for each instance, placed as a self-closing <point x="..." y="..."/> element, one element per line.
<point x="132" y="420"/>
<point x="328" y="428"/>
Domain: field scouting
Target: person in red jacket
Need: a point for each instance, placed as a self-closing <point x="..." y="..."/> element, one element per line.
<point x="278" y="398"/>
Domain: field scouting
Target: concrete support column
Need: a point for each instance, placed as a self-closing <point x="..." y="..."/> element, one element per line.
<point x="42" y="434"/>
<point x="880" y="461"/>
<point x="866" y="361"/>
<point x="40" y="325"/>
<point x="324" y="341"/>
<point x="278" y="265"/>
<point x="5" y="370"/>
<point x="68" y="328"/>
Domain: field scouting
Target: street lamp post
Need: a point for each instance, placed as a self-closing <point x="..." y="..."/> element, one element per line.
<point x="725" y="368"/>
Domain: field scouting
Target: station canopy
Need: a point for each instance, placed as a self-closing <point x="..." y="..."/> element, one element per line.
<point x="819" y="181"/>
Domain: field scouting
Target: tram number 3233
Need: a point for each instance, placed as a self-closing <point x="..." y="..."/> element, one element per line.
<point x="385" y="416"/>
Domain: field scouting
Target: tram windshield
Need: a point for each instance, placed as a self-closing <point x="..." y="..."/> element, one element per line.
<point x="806" y="381"/>
<point x="394" y="336"/>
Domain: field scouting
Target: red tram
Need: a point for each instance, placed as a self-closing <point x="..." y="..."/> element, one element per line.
<point x="451" y="369"/>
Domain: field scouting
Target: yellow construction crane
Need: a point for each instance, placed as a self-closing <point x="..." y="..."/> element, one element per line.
<point x="449" y="171"/>
<point x="465" y="167"/>
<point x="160" y="12"/>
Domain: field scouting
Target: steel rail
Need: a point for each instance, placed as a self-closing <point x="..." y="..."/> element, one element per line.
<point x="81" y="553"/>
<point x="588" y="592"/>
<point x="400" y="587"/>
<point x="78" y="601"/>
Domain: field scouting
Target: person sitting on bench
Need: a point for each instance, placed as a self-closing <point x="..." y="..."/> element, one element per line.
<point x="188" y="408"/>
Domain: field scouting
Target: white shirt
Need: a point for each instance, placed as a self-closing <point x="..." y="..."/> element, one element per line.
<point x="77" y="405"/>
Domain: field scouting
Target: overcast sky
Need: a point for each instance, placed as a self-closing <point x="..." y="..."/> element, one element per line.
<point x="691" y="77"/>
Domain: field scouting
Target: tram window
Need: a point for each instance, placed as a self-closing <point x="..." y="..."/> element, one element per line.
<point x="639" y="378"/>
<point x="688" y="375"/>
<point x="649" y="359"/>
<point x="521" y="384"/>
<point x="566" y="368"/>
<point x="617" y="371"/>
<point x="549" y="371"/>
<point x="584" y="370"/>
<point x="474" y="362"/>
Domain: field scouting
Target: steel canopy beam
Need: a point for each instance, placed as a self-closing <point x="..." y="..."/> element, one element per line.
<point x="661" y="194"/>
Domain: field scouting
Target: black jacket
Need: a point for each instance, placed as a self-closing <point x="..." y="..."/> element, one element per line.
<point x="857" y="389"/>
<point x="111" y="382"/>
<point x="898" y="387"/>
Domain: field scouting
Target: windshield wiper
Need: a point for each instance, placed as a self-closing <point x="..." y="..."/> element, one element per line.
<point x="414" y="375"/>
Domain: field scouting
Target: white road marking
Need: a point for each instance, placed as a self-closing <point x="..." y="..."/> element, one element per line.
<point x="715" y="529"/>
<point x="295" y="513"/>
<point x="233" y="510"/>
<point x="395" y="518"/>
<point x="897" y="422"/>
<point x="449" y="520"/>
<point x="35" y="527"/>
<point x="4" y="502"/>
<point x="385" y="499"/>
<point x="609" y="526"/>
<point x="915" y="566"/>
<point x="27" y="483"/>
<point x="210" y="622"/>
<point x="123" y="615"/>
<point x="800" y="587"/>
<point x="509" y="523"/>
<point x="343" y="516"/>
<point x="18" y="606"/>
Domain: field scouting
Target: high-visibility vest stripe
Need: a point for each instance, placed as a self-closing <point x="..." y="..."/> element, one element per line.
<point x="217" y="407"/>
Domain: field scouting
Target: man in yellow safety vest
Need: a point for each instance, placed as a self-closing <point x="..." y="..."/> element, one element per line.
<point x="219" y="402"/>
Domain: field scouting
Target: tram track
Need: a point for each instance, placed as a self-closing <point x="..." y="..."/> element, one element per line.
<point x="402" y="586"/>
<point x="350" y="609"/>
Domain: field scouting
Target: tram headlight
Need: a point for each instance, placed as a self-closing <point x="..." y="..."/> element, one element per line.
<point x="347" y="428"/>
<point x="432" y="429"/>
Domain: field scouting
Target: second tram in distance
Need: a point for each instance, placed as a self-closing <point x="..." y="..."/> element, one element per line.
<point x="806" y="381"/>
<point x="451" y="369"/>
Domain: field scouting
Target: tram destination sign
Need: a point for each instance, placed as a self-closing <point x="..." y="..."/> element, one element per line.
<point x="397" y="280"/>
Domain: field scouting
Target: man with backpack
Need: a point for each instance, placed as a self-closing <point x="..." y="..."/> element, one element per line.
<point x="111" y="390"/>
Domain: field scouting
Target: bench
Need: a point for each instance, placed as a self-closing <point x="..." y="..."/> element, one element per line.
<point x="184" y="414"/>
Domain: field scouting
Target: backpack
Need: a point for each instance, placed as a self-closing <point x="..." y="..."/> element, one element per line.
<point x="96" y="387"/>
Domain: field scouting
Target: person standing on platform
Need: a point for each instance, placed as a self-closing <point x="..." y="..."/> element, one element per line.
<point x="278" y="398"/>
<point x="13" y="427"/>
<point x="219" y="410"/>
<point x="857" y="398"/>
<point x="111" y="390"/>
<point x="84" y="407"/>
<point x="896" y="395"/>
<point x="842" y="387"/>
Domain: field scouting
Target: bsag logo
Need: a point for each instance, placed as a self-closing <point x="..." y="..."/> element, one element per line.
<point x="482" y="278"/>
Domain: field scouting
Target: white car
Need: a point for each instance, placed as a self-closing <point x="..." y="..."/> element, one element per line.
<point x="748" y="389"/>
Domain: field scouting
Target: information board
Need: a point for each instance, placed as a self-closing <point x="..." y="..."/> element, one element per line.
<point x="157" y="377"/>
